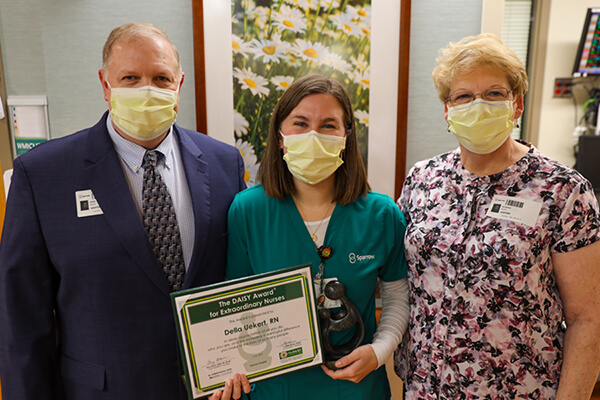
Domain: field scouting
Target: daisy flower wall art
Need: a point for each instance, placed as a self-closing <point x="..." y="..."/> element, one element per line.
<point x="277" y="41"/>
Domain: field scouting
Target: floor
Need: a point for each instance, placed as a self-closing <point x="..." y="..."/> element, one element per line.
<point x="395" y="382"/>
<point x="596" y="393"/>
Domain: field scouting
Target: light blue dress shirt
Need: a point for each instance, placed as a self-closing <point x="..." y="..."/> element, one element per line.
<point x="170" y="167"/>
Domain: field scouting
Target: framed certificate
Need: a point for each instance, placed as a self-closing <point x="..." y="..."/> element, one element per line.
<point x="262" y="326"/>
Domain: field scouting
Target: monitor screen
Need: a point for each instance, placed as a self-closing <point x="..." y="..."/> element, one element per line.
<point x="587" y="61"/>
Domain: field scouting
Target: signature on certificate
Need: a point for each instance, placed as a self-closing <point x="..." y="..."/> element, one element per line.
<point x="217" y="363"/>
<point x="287" y="343"/>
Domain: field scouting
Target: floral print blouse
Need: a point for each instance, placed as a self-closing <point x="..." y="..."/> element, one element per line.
<point x="486" y="315"/>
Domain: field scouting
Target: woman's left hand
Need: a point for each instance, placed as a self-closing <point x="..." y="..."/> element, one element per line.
<point x="355" y="366"/>
<point x="233" y="388"/>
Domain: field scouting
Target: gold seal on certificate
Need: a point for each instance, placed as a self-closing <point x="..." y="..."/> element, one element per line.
<point x="261" y="326"/>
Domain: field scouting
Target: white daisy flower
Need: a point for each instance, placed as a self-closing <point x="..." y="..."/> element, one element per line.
<point x="310" y="51"/>
<point x="363" y="78"/>
<point x="359" y="13"/>
<point x="362" y="117"/>
<point x="240" y="124"/>
<point x="282" y="82"/>
<point x="326" y="4"/>
<point x="250" y="164"/>
<point x="304" y="4"/>
<point x="288" y="18"/>
<point x="247" y="152"/>
<point x="250" y="174"/>
<point x="270" y="50"/>
<point x="345" y="23"/>
<point x="360" y="62"/>
<point x="365" y="28"/>
<point x="249" y="80"/>
<point x="260" y="12"/>
<point x="240" y="47"/>
<point x="335" y="61"/>
<point x="261" y="17"/>
<point x="293" y="60"/>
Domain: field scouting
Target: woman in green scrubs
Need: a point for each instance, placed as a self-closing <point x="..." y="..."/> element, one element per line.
<point x="313" y="191"/>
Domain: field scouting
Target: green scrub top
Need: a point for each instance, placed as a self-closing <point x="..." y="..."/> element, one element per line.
<point x="366" y="237"/>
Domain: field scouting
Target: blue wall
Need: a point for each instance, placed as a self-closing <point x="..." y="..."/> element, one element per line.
<point x="54" y="48"/>
<point x="434" y="23"/>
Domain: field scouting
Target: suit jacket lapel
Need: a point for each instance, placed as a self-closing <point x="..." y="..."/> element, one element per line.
<point x="197" y="175"/>
<point x="107" y="181"/>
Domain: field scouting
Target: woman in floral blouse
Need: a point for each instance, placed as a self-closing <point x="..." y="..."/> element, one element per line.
<point x="503" y="249"/>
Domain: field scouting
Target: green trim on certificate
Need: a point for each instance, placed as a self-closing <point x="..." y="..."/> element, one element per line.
<point x="261" y="326"/>
<point x="243" y="302"/>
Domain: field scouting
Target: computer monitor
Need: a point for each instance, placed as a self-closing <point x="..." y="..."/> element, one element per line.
<point x="587" y="61"/>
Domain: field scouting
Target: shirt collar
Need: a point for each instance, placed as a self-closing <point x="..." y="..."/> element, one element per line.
<point x="132" y="154"/>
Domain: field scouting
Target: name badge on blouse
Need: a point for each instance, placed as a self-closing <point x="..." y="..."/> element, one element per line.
<point x="515" y="209"/>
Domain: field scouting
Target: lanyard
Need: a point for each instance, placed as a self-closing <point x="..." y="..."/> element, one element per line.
<point x="324" y="253"/>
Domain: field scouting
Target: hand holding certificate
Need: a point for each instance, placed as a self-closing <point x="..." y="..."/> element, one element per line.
<point x="262" y="326"/>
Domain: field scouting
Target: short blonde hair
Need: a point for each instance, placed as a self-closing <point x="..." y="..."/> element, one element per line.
<point x="131" y="31"/>
<point x="472" y="52"/>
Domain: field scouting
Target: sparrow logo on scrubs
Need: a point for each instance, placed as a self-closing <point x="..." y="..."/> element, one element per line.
<point x="355" y="257"/>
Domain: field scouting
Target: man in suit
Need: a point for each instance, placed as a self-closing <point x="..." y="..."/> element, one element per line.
<point x="85" y="310"/>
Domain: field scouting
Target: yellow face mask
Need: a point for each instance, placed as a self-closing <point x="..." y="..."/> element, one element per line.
<point x="482" y="126"/>
<point x="313" y="157"/>
<point x="144" y="113"/>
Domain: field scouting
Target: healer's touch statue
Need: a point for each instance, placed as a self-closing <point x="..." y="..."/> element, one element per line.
<point x="334" y="321"/>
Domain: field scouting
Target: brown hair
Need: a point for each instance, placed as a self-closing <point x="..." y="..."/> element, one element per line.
<point x="350" y="178"/>
<point x="130" y="31"/>
<point x="472" y="52"/>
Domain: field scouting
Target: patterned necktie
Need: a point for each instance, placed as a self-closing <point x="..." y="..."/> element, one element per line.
<point x="160" y="222"/>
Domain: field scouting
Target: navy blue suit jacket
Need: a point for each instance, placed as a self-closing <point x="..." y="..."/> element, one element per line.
<point x="85" y="311"/>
